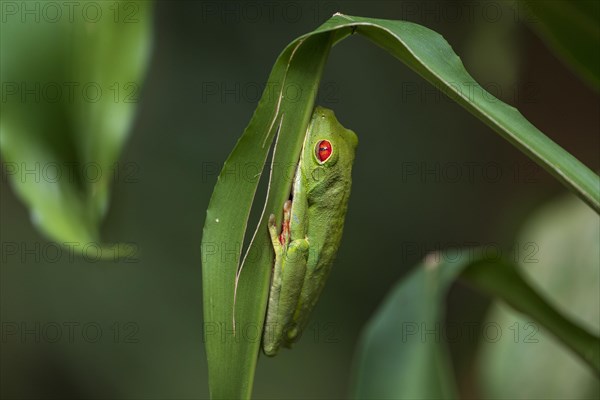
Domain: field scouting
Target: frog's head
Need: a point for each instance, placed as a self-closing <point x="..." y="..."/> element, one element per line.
<point x="328" y="155"/>
<point x="329" y="141"/>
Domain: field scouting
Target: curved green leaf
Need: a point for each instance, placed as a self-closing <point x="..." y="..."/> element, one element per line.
<point x="429" y="54"/>
<point x="562" y="259"/>
<point x="228" y="270"/>
<point x="70" y="85"/>
<point x="232" y="352"/>
<point x="503" y="280"/>
<point x="401" y="354"/>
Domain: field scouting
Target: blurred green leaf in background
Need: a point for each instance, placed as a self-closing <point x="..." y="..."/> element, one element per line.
<point x="572" y="30"/>
<point x="563" y="261"/>
<point x="402" y="352"/>
<point x="71" y="79"/>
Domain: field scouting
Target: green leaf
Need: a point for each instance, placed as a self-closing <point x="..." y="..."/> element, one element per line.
<point x="70" y="86"/>
<point x="232" y="353"/>
<point x="559" y="254"/>
<point x="572" y="30"/>
<point x="429" y="54"/>
<point x="504" y="281"/>
<point x="400" y="354"/>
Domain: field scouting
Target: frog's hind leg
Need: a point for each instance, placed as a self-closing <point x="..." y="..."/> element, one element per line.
<point x="286" y="282"/>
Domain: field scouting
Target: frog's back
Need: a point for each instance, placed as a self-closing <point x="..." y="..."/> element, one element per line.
<point x="328" y="186"/>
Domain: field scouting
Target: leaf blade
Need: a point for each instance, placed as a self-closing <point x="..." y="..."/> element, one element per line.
<point x="425" y="52"/>
<point x="428" y="54"/>
<point x="64" y="119"/>
<point x="232" y="362"/>
<point x="415" y="364"/>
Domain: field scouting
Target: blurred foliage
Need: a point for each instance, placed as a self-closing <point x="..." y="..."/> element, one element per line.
<point x="492" y="54"/>
<point x="572" y="30"/>
<point x="402" y="352"/>
<point x="563" y="258"/>
<point x="70" y="85"/>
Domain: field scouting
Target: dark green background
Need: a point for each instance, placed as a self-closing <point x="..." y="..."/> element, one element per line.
<point x="185" y="129"/>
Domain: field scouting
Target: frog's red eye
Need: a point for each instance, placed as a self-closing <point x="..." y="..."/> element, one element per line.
<point x="324" y="150"/>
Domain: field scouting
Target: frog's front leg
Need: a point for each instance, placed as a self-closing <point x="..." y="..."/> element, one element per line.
<point x="286" y="284"/>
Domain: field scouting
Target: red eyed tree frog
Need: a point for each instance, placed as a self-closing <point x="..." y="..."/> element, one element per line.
<point x="311" y="231"/>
